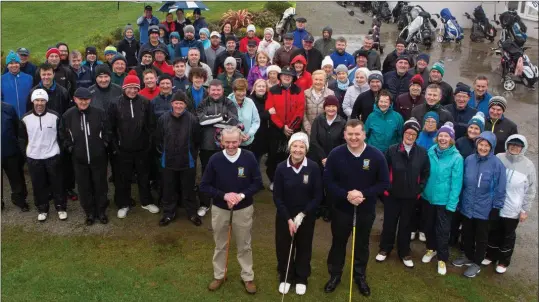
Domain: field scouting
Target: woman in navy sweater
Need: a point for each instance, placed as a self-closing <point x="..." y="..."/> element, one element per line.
<point x="297" y="192"/>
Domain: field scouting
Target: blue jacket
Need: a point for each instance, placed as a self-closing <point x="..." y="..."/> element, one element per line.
<point x="10" y="127"/>
<point x="483" y="104"/>
<point x="199" y="24"/>
<point x="248" y="116"/>
<point x="15" y="90"/>
<point x="445" y="179"/>
<point x="183" y="47"/>
<point x="160" y="105"/>
<point x="84" y="77"/>
<point x="298" y="37"/>
<point x="397" y="84"/>
<point x="384" y="129"/>
<point x="426" y="139"/>
<point x="143" y="28"/>
<point x="461" y="118"/>
<point x="484" y="182"/>
<point x="180" y="84"/>
<point x="346" y="59"/>
<point x="249" y="62"/>
<point x="92" y="67"/>
<point x="28" y="68"/>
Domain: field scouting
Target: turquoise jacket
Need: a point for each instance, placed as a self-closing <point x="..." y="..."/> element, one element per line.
<point x="248" y="116"/>
<point x="384" y="128"/>
<point x="445" y="179"/>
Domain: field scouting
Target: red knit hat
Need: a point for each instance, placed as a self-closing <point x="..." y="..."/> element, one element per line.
<point x="417" y="79"/>
<point x="131" y="80"/>
<point x="51" y="51"/>
<point x="331" y="100"/>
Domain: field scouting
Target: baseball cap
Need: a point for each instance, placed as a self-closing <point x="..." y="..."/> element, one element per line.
<point x="148" y="7"/>
<point x="215" y="34"/>
<point x="308" y="38"/>
<point x="23" y="51"/>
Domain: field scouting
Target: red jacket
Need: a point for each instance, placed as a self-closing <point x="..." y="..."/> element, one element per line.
<point x="305" y="81"/>
<point x="289" y="106"/>
<point x="164" y="67"/>
<point x="243" y="43"/>
<point x="170" y="26"/>
<point x="149" y="94"/>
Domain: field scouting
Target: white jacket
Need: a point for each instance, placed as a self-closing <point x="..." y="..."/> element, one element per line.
<point x="351" y="95"/>
<point x="39" y="134"/>
<point x="521" y="181"/>
<point x="269" y="47"/>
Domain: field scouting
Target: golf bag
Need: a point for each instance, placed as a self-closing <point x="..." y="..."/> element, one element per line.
<point x="419" y="31"/>
<point x="515" y="62"/>
<point x="481" y="27"/>
<point x="450" y="29"/>
<point x="512" y="28"/>
<point x="381" y="10"/>
<point x="286" y="23"/>
<point x="404" y="17"/>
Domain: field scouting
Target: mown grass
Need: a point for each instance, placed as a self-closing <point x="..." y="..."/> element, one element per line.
<point x="138" y="261"/>
<point x="38" y="25"/>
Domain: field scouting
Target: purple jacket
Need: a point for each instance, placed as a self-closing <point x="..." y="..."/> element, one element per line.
<point x="255" y="74"/>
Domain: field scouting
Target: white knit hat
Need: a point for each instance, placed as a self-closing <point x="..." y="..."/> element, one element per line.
<point x="299" y="136"/>
<point x="40" y="94"/>
<point x="365" y="71"/>
<point x="269" y="30"/>
<point x="327" y="61"/>
<point x="251" y="27"/>
<point x="273" y="68"/>
<point x="230" y="60"/>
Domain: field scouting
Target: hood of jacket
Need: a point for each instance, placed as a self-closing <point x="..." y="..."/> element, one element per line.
<point x="522" y="154"/>
<point x="363" y="87"/>
<point x="379" y="112"/>
<point x="329" y="30"/>
<point x="490" y="138"/>
<point x="299" y="58"/>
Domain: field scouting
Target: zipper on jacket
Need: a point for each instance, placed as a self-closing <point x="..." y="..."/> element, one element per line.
<point x="17" y="91"/>
<point x="86" y="134"/>
<point x="131" y="105"/>
<point x="479" y="181"/>
<point x="40" y="127"/>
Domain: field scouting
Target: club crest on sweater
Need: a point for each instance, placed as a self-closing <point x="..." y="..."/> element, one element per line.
<point x="306" y="179"/>
<point x="241" y="172"/>
<point x="366" y="164"/>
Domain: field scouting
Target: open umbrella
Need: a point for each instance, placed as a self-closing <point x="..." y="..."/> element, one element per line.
<point x="172" y="6"/>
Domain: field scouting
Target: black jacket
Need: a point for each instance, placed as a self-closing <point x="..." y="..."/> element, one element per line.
<point x="130" y="50"/>
<point x="391" y="60"/>
<point x="212" y="113"/>
<point x="314" y="58"/>
<point x="59" y="100"/>
<point x="191" y="101"/>
<point x="140" y="69"/>
<point x="364" y="105"/>
<point x="447" y="92"/>
<point x="161" y="104"/>
<point x="63" y="76"/>
<point x="502" y="128"/>
<point x="102" y="98"/>
<point x="419" y="112"/>
<point x="408" y="173"/>
<point x="87" y="134"/>
<point x="325" y="137"/>
<point x="461" y="118"/>
<point x="404" y="104"/>
<point x="396" y="84"/>
<point x="465" y="146"/>
<point x="132" y="123"/>
<point x="177" y="140"/>
<point x="260" y="144"/>
<point x="241" y="65"/>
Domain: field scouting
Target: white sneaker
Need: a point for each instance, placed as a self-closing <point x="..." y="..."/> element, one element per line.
<point x="412" y="236"/>
<point x="428" y="256"/>
<point x="202" y="211"/>
<point x="151" y="208"/>
<point x="381" y="256"/>
<point x="500" y="269"/>
<point x="271" y="187"/>
<point x="123" y="212"/>
<point x="42" y="216"/>
<point x="422" y="237"/>
<point x="284" y="287"/>
<point x="408" y="261"/>
<point x="62" y="215"/>
<point x="442" y="270"/>
<point x="301" y="289"/>
<point x="486" y="262"/>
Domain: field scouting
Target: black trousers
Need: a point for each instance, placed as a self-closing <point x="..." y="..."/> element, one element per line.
<point x="397" y="212"/>
<point x="501" y="240"/>
<point x="437" y="228"/>
<point x="13" y="167"/>
<point x="300" y="262"/>
<point x="68" y="171"/>
<point x="184" y="181"/>
<point x="417" y="224"/>
<point x="205" y="199"/>
<point x="277" y="151"/>
<point x="475" y="238"/>
<point x="46" y="176"/>
<point x="92" y="185"/>
<point x="341" y="228"/>
<point x="126" y="164"/>
<point x="456" y="237"/>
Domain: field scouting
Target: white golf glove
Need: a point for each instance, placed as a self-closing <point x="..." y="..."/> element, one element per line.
<point x="299" y="219"/>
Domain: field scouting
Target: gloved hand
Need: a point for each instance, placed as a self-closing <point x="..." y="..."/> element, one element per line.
<point x="299" y="219"/>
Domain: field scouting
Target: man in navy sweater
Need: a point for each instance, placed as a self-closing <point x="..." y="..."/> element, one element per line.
<point x="232" y="177"/>
<point x="355" y="174"/>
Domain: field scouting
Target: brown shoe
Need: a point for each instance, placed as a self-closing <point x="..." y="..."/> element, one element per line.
<point x="215" y="284"/>
<point x="250" y="287"/>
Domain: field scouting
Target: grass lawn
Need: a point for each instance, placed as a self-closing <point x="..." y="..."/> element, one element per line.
<point x="38" y="25"/>
<point x="135" y="260"/>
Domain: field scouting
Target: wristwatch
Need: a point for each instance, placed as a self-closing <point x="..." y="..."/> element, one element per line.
<point x="242" y="196"/>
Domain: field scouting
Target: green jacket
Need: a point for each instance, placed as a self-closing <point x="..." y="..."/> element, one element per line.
<point x="384" y="129"/>
<point x="118" y="79"/>
<point x="227" y="82"/>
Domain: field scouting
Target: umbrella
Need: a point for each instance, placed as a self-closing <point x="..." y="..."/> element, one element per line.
<point x="172" y="6"/>
<point x="533" y="4"/>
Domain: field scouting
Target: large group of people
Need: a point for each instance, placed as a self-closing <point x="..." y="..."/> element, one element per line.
<point x="339" y="135"/>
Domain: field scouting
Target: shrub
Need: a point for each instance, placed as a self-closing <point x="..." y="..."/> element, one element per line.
<point x="212" y="26"/>
<point x="242" y="32"/>
<point x="265" y="19"/>
<point x="238" y="19"/>
<point x="277" y="7"/>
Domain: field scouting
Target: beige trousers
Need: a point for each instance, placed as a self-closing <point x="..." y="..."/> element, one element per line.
<point x="242" y="222"/>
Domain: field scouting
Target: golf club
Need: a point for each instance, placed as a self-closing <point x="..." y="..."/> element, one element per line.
<point x="353" y="250"/>
<point x="228" y="241"/>
<point x="288" y="266"/>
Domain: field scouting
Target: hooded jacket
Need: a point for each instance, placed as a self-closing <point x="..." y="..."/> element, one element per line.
<point x="325" y="137"/>
<point x="289" y="106"/>
<point x="408" y="172"/>
<point x="314" y="106"/>
<point x="10" y="131"/>
<point x="325" y="46"/>
<point x="87" y="134"/>
<point x="364" y="105"/>
<point x="58" y="102"/>
<point x="397" y="84"/>
<point x="132" y="124"/>
<point x="15" y="90"/>
<point x="502" y="128"/>
<point x="404" y="104"/>
<point x="461" y="118"/>
<point x="130" y="50"/>
<point x="254" y="74"/>
<point x="445" y="178"/>
<point x="313" y="58"/>
<point x="351" y="95"/>
<point x="445" y="116"/>
<point x="484" y="182"/>
<point x="103" y="97"/>
<point x="305" y="80"/>
<point x="383" y="129"/>
<point x="248" y="117"/>
<point x="521" y="181"/>
<point x="480" y="105"/>
<point x="213" y="114"/>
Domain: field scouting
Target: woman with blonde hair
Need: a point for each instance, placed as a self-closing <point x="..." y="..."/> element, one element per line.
<point x="260" y="70"/>
<point x="314" y="99"/>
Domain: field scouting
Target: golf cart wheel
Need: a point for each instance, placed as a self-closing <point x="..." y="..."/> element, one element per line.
<point x="509" y="85"/>
<point x="439" y="39"/>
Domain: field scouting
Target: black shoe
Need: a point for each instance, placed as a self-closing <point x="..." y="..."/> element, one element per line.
<point x="195" y="219"/>
<point x="103" y="219"/>
<point x="25" y="208"/>
<point x="331" y="285"/>
<point x="90" y="220"/>
<point x="165" y="221"/>
<point x="364" y="288"/>
<point x="72" y="195"/>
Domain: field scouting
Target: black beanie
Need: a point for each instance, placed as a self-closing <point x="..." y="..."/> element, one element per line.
<point x="102" y="69"/>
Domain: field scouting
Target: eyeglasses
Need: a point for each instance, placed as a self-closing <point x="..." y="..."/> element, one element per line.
<point x="430" y="122"/>
<point x="410" y="134"/>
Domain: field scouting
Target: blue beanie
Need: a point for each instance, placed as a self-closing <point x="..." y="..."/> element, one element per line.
<point x="423" y="56"/>
<point x="174" y="34"/>
<point x="12" y="56"/>
<point x="432" y="114"/>
<point x="479" y="120"/>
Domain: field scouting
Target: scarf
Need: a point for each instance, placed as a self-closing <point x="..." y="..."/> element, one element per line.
<point x="263" y="71"/>
<point x="343" y="86"/>
<point x="129" y="39"/>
